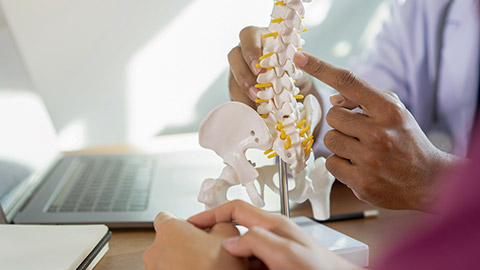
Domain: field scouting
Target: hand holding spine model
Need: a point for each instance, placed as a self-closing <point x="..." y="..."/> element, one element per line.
<point x="283" y="127"/>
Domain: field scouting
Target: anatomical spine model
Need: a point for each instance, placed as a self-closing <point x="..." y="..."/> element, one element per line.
<point x="281" y="126"/>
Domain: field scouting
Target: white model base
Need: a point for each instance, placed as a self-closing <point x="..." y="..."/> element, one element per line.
<point x="346" y="247"/>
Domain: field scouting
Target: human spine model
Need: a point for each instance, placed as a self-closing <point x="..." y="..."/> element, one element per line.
<point x="290" y="124"/>
<point x="281" y="126"/>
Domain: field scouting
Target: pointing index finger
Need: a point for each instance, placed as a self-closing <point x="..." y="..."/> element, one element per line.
<point x="344" y="81"/>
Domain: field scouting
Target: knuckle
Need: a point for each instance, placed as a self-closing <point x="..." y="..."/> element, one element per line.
<point x="232" y="55"/>
<point x="392" y="94"/>
<point x="346" y="78"/>
<point x="247" y="31"/>
<point x="159" y="219"/>
<point x="396" y="110"/>
<point x="333" y="116"/>
<point x="332" y="165"/>
<point x="331" y="141"/>
<point x="147" y="256"/>
<point x="164" y="221"/>
<point x="381" y="141"/>
<point x="243" y="81"/>
<point x="378" y="135"/>
<point x="281" y="220"/>
<point x="238" y="203"/>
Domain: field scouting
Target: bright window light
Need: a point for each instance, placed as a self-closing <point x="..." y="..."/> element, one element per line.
<point x="316" y="12"/>
<point x="170" y="73"/>
<point x="342" y="49"/>
<point x="73" y="136"/>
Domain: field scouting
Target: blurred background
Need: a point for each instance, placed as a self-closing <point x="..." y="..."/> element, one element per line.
<point x="115" y="71"/>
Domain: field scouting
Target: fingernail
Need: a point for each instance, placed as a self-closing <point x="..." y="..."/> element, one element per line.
<point x="256" y="70"/>
<point x="300" y="59"/>
<point x="230" y="243"/>
<point x="336" y="99"/>
<point x="252" y="92"/>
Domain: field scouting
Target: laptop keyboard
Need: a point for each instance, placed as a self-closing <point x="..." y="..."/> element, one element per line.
<point x="106" y="184"/>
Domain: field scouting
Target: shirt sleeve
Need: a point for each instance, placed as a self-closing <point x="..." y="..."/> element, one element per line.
<point x="383" y="65"/>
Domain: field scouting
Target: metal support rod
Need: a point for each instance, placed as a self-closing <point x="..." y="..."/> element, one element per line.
<point x="283" y="186"/>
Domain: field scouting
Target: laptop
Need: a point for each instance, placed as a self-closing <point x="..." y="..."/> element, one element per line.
<point x="39" y="185"/>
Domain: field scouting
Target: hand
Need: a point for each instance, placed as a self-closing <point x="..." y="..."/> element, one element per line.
<point x="243" y="61"/>
<point x="272" y="238"/>
<point x="180" y="245"/>
<point x="381" y="153"/>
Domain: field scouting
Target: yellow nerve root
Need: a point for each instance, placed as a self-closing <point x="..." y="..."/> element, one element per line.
<point x="268" y="151"/>
<point x="261" y="100"/>
<point x="260" y="66"/>
<point x="278" y="20"/>
<point x="280" y="3"/>
<point x="280" y="126"/>
<point x="304" y="30"/>
<point x="300" y="125"/>
<point x="307" y="140"/>
<point x="263" y="85"/>
<point x="273" y="34"/>
<point x="272" y="155"/>
<point x="288" y="145"/>
<point x="266" y="56"/>
<point x="283" y="135"/>
<point x="309" y="148"/>
<point x="299" y="97"/>
<point x="303" y="131"/>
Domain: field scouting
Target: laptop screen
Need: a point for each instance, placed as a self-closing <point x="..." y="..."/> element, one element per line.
<point x="27" y="142"/>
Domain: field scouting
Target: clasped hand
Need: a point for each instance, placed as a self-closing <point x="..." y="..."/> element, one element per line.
<point x="210" y="241"/>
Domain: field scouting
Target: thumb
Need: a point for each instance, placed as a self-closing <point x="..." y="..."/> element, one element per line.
<point x="263" y="244"/>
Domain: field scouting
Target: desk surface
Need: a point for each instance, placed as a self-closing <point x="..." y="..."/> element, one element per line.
<point x="127" y="246"/>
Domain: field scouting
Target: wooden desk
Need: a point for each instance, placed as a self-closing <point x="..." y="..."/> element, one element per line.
<point x="127" y="246"/>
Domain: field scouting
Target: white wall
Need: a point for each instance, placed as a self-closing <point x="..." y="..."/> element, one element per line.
<point x="13" y="75"/>
<point x="118" y="70"/>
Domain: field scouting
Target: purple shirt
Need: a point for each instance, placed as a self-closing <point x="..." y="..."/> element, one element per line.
<point x="452" y="240"/>
<point x="404" y="59"/>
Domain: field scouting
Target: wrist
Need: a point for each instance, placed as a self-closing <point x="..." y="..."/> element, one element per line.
<point x="441" y="163"/>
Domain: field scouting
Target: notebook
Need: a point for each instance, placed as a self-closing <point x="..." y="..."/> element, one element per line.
<point x="52" y="247"/>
